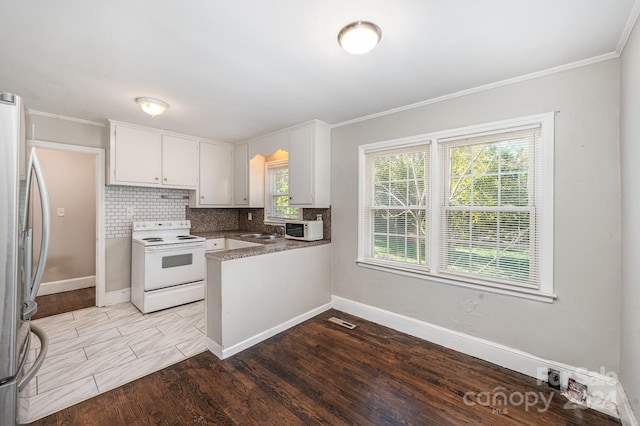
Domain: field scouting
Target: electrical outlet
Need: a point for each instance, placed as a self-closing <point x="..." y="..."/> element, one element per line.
<point x="553" y="378"/>
<point x="129" y="211"/>
<point x="61" y="211"/>
<point x="249" y="216"/>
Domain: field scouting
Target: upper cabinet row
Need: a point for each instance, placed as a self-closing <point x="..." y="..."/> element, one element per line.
<point x="309" y="155"/>
<point x="149" y="158"/>
<point x="219" y="174"/>
<point x="142" y="156"/>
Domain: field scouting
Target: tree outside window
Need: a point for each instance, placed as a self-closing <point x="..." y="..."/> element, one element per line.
<point x="473" y="207"/>
<point x="277" y="198"/>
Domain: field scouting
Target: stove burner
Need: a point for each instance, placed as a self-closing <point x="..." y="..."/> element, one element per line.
<point x="186" y="237"/>
<point x="152" y="239"/>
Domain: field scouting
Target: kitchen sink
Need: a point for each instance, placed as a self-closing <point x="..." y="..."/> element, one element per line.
<point x="260" y="236"/>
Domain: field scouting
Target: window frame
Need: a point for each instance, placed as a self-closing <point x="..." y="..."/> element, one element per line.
<point x="269" y="168"/>
<point x="542" y="192"/>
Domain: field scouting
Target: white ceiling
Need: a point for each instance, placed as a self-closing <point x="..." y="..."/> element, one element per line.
<point x="239" y="68"/>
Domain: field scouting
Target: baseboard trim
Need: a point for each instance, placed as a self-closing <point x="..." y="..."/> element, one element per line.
<point x="603" y="393"/>
<point x="627" y="418"/>
<point x="53" y="287"/>
<point x="118" y="296"/>
<point x="213" y="347"/>
<point x="224" y="353"/>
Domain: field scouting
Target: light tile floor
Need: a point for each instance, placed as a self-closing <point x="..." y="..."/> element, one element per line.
<point x="94" y="350"/>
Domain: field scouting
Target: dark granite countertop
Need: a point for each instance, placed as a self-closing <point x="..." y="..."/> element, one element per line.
<point x="265" y="247"/>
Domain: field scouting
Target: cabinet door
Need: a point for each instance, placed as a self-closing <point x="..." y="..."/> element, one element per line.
<point x="240" y="175"/>
<point x="215" y="174"/>
<point x="179" y="159"/>
<point x="301" y="167"/>
<point x="138" y="156"/>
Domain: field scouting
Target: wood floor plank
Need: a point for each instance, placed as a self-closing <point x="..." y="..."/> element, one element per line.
<point x="321" y="373"/>
<point x="67" y="301"/>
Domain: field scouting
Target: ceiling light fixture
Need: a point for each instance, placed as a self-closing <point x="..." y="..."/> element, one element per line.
<point x="152" y="106"/>
<point x="359" y="37"/>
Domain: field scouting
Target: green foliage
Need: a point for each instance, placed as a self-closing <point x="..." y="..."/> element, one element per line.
<point x="280" y="204"/>
<point x="487" y="221"/>
<point x="401" y="196"/>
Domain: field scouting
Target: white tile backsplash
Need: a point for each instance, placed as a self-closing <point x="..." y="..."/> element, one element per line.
<point x="146" y="204"/>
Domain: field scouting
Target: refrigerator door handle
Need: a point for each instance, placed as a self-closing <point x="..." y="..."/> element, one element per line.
<point x="44" y="345"/>
<point x="46" y="228"/>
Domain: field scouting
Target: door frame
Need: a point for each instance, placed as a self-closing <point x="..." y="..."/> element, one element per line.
<point x="100" y="225"/>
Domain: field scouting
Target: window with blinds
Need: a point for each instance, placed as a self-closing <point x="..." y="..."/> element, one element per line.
<point x="398" y="205"/>
<point x="488" y="207"/>
<point x="471" y="207"/>
<point x="277" y="207"/>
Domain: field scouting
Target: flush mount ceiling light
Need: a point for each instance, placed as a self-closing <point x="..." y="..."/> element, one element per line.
<point x="359" y="37"/>
<point x="152" y="106"/>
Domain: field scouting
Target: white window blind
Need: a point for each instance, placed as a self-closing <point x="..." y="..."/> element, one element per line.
<point x="397" y="205"/>
<point x="471" y="207"/>
<point x="488" y="207"/>
<point x="277" y="195"/>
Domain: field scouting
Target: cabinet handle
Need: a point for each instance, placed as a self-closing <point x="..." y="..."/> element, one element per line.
<point x="165" y="179"/>
<point x="156" y="178"/>
<point x="202" y="197"/>
<point x="291" y="198"/>
<point x="245" y="198"/>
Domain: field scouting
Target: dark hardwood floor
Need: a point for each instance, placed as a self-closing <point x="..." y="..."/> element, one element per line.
<point x="59" y="303"/>
<point x="321" y="373"/>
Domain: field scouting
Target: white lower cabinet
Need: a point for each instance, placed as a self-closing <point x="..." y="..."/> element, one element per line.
<point x="219" y="244"/>
<point x="215" y="244"/>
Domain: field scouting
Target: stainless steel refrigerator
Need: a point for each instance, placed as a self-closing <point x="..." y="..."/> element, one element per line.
<point x="19" y="278"/>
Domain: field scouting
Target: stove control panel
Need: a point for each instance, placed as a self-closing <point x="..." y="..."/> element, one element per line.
<point x="162" y="224"/>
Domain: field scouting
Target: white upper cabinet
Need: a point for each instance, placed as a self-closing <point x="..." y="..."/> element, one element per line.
<point x="310" y="165"/>
<point x="136" y="156"/>
<point x="309" y="155"/>
<point x="179" y="159"/>
<point x="214" y="188"/>
<point x="141" y="156"/>
<point x="241" y="175"/>
<point x="248" y="178"/>
<point x="301" y="167"/>
<point x="256" y="182"/>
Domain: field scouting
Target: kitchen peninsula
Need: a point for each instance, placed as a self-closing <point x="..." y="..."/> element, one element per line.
<point x="256" y="292"/>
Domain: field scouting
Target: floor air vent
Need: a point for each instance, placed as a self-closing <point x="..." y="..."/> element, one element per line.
<point x="342" y="323"/>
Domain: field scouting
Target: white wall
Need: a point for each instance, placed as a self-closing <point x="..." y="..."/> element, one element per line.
<point x="71" y="132"/>
<point x="581" y="328"/>
<point x="630" y="155"/>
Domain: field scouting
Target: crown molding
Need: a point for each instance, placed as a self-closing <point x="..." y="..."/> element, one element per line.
<point x="66" y="118"/>
<point x="525" y="77"/>
<point x="626" y="32"/>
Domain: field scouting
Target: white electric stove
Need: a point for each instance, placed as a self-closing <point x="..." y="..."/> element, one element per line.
<point x="168" y="266"/>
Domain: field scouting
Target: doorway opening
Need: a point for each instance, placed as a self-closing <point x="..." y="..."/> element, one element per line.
<point x="74" y="273"/>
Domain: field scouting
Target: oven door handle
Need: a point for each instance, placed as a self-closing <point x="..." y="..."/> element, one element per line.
<point x="175" y="247"/>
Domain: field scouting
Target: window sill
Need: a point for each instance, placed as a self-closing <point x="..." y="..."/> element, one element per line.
<point x="497" y="288"/>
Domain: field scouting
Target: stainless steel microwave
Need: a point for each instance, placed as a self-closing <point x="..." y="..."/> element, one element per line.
<point x="303" y="230"/>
